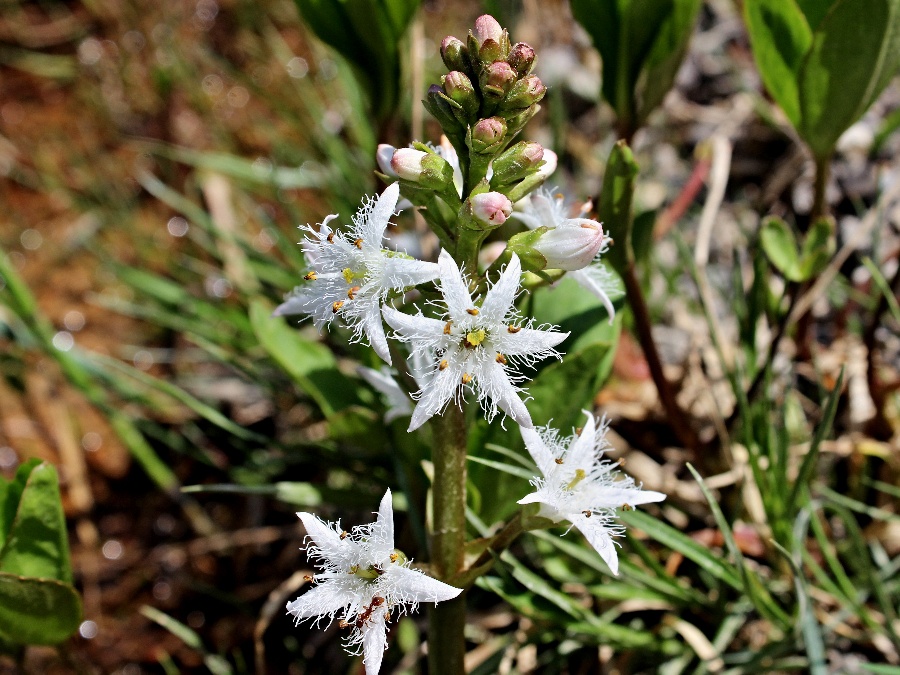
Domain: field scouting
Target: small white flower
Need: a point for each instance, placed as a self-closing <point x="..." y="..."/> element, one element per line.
<point x="365" y="580"/>
<point x="474" y="345"/>
<point x="540" y="209"/>
<point x="579" y="486"/>
<point x="353" y="275"/>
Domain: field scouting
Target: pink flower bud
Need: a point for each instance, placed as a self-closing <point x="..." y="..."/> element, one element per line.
<point x="407" y="163"/>
<point x="487" y="28"/>
<point x="497" y="79"/>
<point x="521" y="57"/>
<point x="453" y="52"/>
<point x="492" y="208"/>
<point x="487" y="133"/>
<point x="571" y="246"/>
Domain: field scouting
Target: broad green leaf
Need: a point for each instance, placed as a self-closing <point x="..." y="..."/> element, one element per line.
<point x="780" y="246"/>
<point x="855" y="52"/>
<point x="642" y="236"/>
<point x="601" y="20"/>
<point x="814" y="10"/>
<point x="37" y="544"/>
<point x="780" y="36"/>
<point x="10" y="494"/>
<point x="37" y="611"/>
<point x="368" y="34"/>
<point x="310" y="364"/>
<point x="817" y="249"/>
<point x="615" y="207"/>
<point x="661" y="64"/>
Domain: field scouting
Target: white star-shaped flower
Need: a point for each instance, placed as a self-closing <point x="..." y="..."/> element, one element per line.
<point x="353" y="275"/>
<point x="581" y="487"/>
<point x="365" y="580"/>
<point x="540" y="209"/>
<point x="474" y="345"/>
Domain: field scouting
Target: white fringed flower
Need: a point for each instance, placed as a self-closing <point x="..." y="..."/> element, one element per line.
<point x="353" y="275"/>
<point x="581" y="487"/>
<point x="540" y="209"/>
<point x="364" y="580"/>
<point x="474" y="345"/>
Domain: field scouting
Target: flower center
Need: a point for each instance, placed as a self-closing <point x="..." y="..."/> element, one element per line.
<point x="475" y="338"/>
<point x="351" y="275"/>
<point x="580" y="475"/>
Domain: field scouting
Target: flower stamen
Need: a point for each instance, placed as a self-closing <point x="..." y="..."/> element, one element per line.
<point x="310" y="276"/>
<point x="580" y="475"/>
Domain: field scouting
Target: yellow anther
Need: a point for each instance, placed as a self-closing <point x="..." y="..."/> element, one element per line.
<point x="448" y="327"/>
<point x="473" y="311"/>
<point x="310" y="276"/>
<point x="627" y="507"/>
<point x="586" y="514"/>
<point x="578" y="430"/>
<point x="394" y="557"/>
<point x="443" y="365"/>
<point x="466" y="378"/>
<point x="501" y="359"/>
<point x="351" y="292"/>
<point x="336" y="307"/>
<point x="343" y="624"/>
<point x="344" y="535"/>
<point x="348" y="275"/>
<point x="513" y="329"/>
<point x="558" y="460"/>
<point x="358" y="243"/>
<point x="309" y="577"/>
<point x="621" y="461"/>
<point x="330" y="237"/>
<point x="354" y="569"/>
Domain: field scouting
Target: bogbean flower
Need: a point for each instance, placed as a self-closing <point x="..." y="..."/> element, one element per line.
<point x="365" y="580"/>
<point x="352" y="275"/>
<point x="385" y="383"/>
<point x="579" y="486"/>
<point x="474" y="347"/>
<point x="543" y="209"/>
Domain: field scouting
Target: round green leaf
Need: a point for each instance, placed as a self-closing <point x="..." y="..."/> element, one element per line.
<point x="37" y="611"/>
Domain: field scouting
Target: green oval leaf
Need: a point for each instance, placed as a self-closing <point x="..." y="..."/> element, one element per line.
<point x="37" y="611"/>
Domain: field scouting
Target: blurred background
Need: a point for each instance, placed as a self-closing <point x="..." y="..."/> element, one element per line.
<point x="155" y="161"/>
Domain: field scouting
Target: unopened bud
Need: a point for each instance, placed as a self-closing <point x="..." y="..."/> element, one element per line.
<point x="453" y="52"/>
<point x="488" y="41"/>
<point x="383" y="157"/>
<point x="487" y="134"/>
<point x="459" y="88"/>
<point x="572" y="245"/>
<point x="523" y="94"/>
<point x="437" y="103"/>
<point x="522" y="57"/>
<point x="517" y="162"/>
<point x="427" y="169"/>
<point x="496" y="80"/>
<point x="491" y="208"/>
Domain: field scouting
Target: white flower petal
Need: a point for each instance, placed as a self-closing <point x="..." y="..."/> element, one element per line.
<point x="374" y="330"/>
<point x="414" y="328"/>
<point x="441" y="388"/>
<point x="376" y="221"/>
<point x="528" y="341"/>
<point x="614" y="497"/>
<point x="592" y="279"/>
<point x="500" y="297"/>
<point x="374" y="642"/>
<point x="538" y="450"/>
<point x="322" y="600"/>
<point x="326" y="538"/>
<point x="384" y="523"/>
<point x="598" y="536"/>
<point x="456" y="293"/>
<point x="582" y="450"/>
<point x="494" y="383"/>
<point x="418" y="587"/>
<point x="401" y="272"/>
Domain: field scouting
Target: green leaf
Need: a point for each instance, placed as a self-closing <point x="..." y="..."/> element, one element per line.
<point x="10" y="494"/>
<point x="814" y="10"/>
<point x="215" y="663"/>
<point x="37" y="544"/>
<point x="310" y="364"/>
<point x="780" y="246"/>
<point x="817" y="249"/>
<point x="37" y="611"/>
<point x="616" y="198"/>
<point x="854" y="53"/>
<point x="780" y="36"/>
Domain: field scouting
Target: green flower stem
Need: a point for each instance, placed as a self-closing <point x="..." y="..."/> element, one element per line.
<point x="447" y="620"/>
<point x="820" y="186"/>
